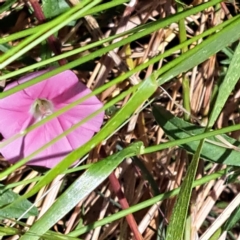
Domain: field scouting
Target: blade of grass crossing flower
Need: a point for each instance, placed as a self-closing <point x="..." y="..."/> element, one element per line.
<point x="53" y="72"/>
<point x="81" y="188"/>
<point x="176" y="226"/>
<point x="228" y="84"/>
<point x="144" y="91"/>
<point x="29" y="157"/>
<point x="186" y="62"/>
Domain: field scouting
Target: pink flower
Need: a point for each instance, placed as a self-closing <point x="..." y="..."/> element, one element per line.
<point x="24" y="108"/>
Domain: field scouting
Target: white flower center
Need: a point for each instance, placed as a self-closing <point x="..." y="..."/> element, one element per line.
<point x="41" y="108"/>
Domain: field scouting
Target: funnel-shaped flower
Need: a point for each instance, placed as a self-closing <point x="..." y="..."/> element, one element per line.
<point x="22" y="109"/>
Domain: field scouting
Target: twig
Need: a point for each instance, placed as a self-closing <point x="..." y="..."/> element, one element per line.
<point x="123" y="201"/>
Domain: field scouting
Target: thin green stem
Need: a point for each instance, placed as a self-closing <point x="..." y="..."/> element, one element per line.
<point x="74" y="127"/>
<point x="6" y="5"/>
<point x="117" y="80"/>
<point x="185" y="80"/>
<point x="41" y="35"/>
<point x="190" y="139"/>
<point x="61" y="21"/>
<point x="98" y="53"/>
<point x="22" y="34"/>
<point x="146" y="203"/>
<point x="36" y="179"/>
<point x="43" y="26"/>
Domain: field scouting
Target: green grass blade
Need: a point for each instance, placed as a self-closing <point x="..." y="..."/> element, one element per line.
<point x="35" y="29"/>
<point x="228" y="84"/>
<point x="178" y="218"/>
<point x="143" y="31"/>
<point x="15" y="211"/>
<point x="100" y="42"/>
<point x="232" y="220"/>
<point x="52" y="8"/>
<point x="201" y="52"/>
<point x="145" y="204"/>
<point x="144" y="91"/>
<point x="213" y="149"/>
<point x="61" y="21"/>
<point x="29" y="157"/>
<point x="7" y="5"/>
<point x="41" y="35"/>
<point x="81" y="188"/>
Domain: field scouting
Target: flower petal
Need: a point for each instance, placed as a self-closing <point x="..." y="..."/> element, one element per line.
<point x="15" y="109"/>
<point x="34" y="91"/>
<point x="80" y="112"/>
<point x="52" y="155"/>
<point x="13" y="122"/>
<point x="61" y="89"/>
<point x="57" y="85"/>
<point x="12" y="102"/>
<point x="74" y="91"/>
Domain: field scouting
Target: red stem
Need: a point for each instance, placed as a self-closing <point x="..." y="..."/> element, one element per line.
<point x="52" y="40"/>
<point x="123" y="201"/>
